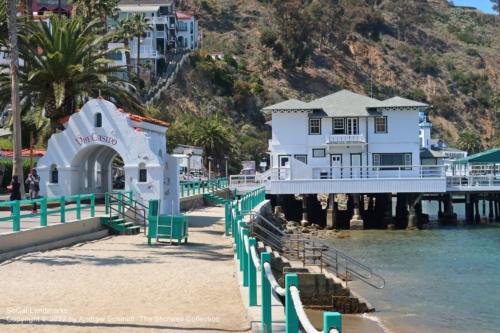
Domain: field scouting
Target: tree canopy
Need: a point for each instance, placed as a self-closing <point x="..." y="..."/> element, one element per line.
<point x="64" y="65"/>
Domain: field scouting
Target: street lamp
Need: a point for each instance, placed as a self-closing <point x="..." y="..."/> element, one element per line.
<point x="226" y="158"/>
<point x="189" y="164"/>
<point x="209" y="166"/>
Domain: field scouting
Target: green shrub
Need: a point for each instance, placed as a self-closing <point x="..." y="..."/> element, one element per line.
<point x="417" y="95"/>
<point x="472" y="52"/>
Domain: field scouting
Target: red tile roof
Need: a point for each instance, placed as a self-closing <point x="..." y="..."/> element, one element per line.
<point x="37" y="152"/>
<point x="184" y="15"/>
<point x="139" y="119"/>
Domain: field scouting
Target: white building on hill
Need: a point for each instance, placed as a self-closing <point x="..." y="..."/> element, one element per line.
<point x="349" y="143"/>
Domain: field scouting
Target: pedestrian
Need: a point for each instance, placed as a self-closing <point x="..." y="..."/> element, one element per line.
<point x="34" y="187"/>
<point x="15" y="190"/>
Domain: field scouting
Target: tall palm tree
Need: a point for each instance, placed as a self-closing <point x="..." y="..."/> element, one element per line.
<point x="17" y="167"/>
<point x="139" y="26"/>
<point x="89" y="10"/>
<point x="125" y="34"/>
<point x="216" y="136"/>
<point x="65" y="64"/>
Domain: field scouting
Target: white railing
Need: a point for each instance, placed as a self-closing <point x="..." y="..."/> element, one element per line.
<point x="362" y="172"/>
<point x="473" y="181"/>
<point x="158" y="20"/>
<point x="345" y="138"/>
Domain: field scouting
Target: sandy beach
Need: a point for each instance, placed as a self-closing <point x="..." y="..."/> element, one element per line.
<point x="119" y="284"/>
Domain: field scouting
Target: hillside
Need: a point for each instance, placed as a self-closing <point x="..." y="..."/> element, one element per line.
<point x="275" y="50"/>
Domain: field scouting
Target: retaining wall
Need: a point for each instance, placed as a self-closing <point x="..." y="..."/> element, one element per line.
<point x="51" y="237"/>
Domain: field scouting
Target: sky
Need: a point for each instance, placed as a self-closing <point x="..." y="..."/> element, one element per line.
<point x="484" y="5"/>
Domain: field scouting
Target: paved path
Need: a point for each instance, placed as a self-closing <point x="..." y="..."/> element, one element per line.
<point x="119" y="284"/>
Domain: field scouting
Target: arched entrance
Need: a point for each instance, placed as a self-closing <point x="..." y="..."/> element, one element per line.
<point x="79" y="160"/>
<point x="97" y="173"/>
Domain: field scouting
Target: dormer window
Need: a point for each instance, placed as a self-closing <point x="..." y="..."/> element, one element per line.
<point x="314" y="126"/>
<point x="98" y="120"/>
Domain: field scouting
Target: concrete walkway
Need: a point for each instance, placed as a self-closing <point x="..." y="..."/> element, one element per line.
<point x="119" y="284"/>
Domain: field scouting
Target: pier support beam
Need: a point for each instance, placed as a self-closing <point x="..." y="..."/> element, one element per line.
<point x="401" y="210"/>
<point x="388" y="222"/>
<point x="496" y="200"/>
<point x="356" y="222"/>
<point x="477" y="216"/>
<point x="469" y="209"/>
<point x="331" y="213"/>
<point x="490" y="208"/>
<point x="449" y="217"/>
<point x="412" y="213"/>
<point x="305" y="219"/>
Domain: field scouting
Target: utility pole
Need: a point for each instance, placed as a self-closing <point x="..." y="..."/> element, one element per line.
<point x="17" y="163"/>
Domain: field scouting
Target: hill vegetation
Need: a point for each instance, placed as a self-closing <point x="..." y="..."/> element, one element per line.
<point x="279" y="49"/>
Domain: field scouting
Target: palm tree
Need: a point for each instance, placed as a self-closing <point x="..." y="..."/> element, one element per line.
<point x="89" y="10"/>
<point x="216" y="137"/>
<point x="125" y="34"/>
<point x="17" y="163"/>
<point x="139" y="26"/>
<point x="469" y="142"/>
<point x="64" y="65"/>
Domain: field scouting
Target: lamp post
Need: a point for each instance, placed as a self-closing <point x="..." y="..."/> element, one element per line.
<point x="226" y="158"/>
<point x="209" y="166"/>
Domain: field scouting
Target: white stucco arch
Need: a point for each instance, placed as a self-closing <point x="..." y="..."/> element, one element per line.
<point x="82" y="148"/>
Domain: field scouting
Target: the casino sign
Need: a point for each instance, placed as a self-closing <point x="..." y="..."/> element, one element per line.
<point x="93" y="138"/>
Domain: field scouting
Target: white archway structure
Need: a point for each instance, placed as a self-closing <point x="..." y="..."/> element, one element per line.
<point x="80" y="157"/>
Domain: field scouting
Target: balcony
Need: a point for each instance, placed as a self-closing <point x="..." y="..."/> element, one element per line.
<point x="345" y="139"/>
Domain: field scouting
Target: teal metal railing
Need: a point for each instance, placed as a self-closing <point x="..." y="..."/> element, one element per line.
<point x="118" y="198"/>
<point x="250" y="264"/>
<point x="61" y="209"/>
<point x="195" y="187"/>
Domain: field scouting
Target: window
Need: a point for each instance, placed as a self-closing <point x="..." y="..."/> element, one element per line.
<point x="302" y="158"/>
<point x="338" y="126"/>
<point x="381" y="124"/>
<point x="98" y="119"/>
<point x="352" y="126"/>
<point x="393" y="161"/>
<point x="143" y="173"/>
<point x="54" y="174"/>
<point x="314" y="126"/>
<point x="319" y="152"/>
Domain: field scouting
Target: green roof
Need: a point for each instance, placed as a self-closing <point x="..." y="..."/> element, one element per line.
<point x="489" y="156"/>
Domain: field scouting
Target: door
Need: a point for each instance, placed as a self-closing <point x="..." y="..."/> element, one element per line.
<point x="336" y="166"/>
<point x="352" y="126"/>
<point x="284" y="167"/>
<point x="356" y="168"/>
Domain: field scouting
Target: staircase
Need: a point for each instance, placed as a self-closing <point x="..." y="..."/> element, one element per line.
<point x="121" y="226"/>
<point x="215" y="199"/>
<point x="125" y="214"/>
<point x="174" y="64"/>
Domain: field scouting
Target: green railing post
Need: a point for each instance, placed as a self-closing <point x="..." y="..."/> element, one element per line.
<point x="267" y="324"/>
<point x="332" y="320"/>
<point x="92" y="205"/>
<point x="252" y="274"/>
<point x="240" y="242"/>
<point x="43" y="212"/>
<point x="291" y="319"/>
<point x="237" y="238"/>
<point x="16" y="216"/>
<point x="130" y="197"/>
<point x="246" y="256"/>
<point x="106" y="203"/>
<point x="227" y="218"/>
<point x="62" y="209"/>
<point x="78" y="206"/>
<point x="120" y="198"/>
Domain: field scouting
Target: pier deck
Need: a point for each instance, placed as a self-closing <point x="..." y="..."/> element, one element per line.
<point x="119" y="284"/>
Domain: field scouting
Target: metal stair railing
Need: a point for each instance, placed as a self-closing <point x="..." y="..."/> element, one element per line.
<point x="344" y="266"/>
<point x="137" y="208"/>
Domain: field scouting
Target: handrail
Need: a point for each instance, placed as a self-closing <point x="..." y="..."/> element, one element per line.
<point x="272" y="280"/>
<point x="44" y="212"/>
<point x="351" y="266"/>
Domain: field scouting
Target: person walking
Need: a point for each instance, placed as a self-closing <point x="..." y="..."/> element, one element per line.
<point x="33" y="182"/>
<point x="14" y="189"/>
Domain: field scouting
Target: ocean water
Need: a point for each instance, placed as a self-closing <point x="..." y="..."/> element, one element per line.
<point x="437" y="280"/>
